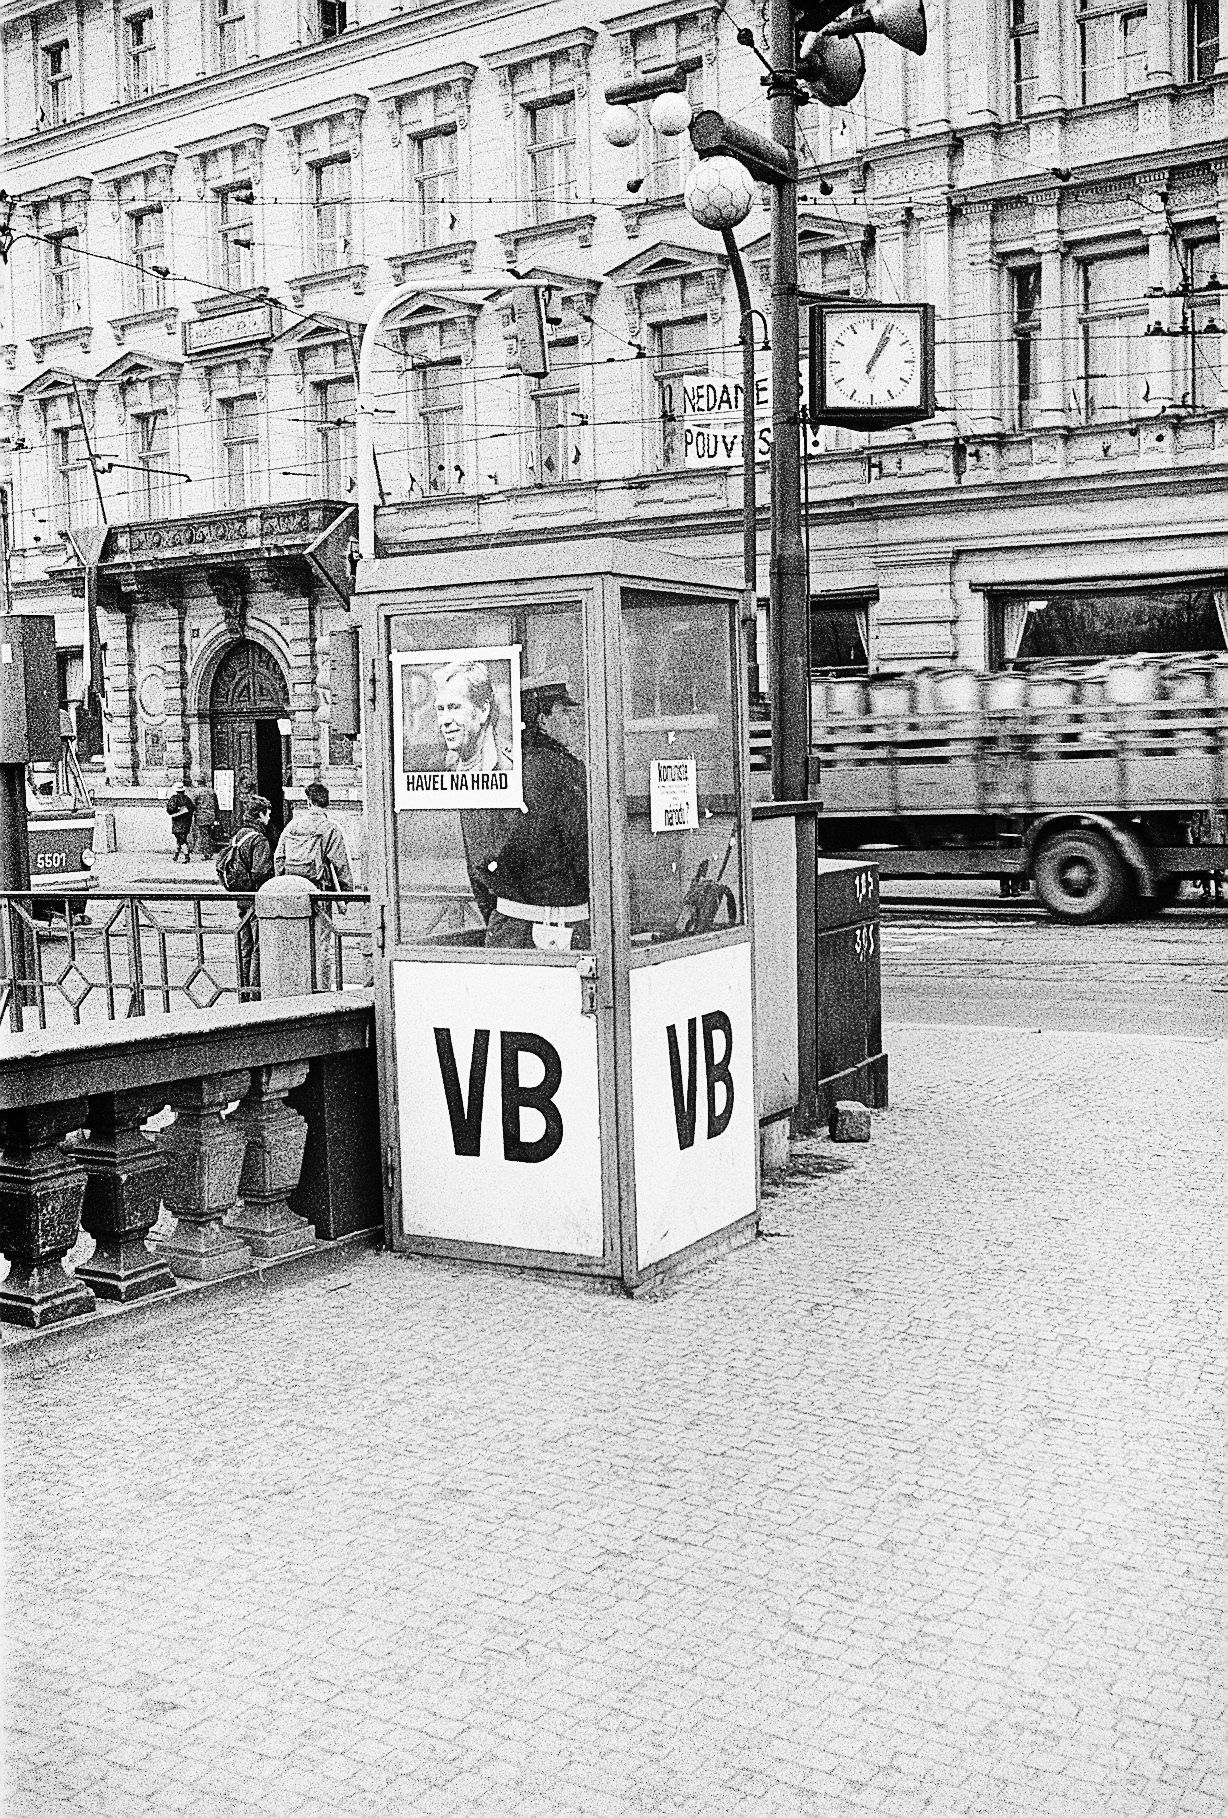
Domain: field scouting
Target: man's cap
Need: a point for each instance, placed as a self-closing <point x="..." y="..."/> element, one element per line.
<point x="549" y="688"/>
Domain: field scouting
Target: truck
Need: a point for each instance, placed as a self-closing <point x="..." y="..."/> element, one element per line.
<point x="1100" y="785"/>
<point x="60" y="831"/>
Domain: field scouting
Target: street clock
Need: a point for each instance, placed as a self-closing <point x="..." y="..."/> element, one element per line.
<point x="871" y="364"/>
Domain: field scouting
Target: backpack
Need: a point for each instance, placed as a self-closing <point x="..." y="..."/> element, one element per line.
<point x="233" y="864"/>
<point x="302" y="853"/>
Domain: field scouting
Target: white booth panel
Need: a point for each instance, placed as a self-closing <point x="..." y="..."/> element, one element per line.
<point x="497" y="1103"/>
<point x="691" y="1049"/>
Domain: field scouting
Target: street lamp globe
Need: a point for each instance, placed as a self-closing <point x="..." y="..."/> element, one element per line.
<point x="670" y="113"/>
<point x="719" y="192"/>
<point x="620" y="125"/>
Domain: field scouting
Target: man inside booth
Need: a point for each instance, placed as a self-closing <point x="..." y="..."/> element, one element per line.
<point x="528" y="867"/>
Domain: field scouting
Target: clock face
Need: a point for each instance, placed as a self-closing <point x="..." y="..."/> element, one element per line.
<point x="873" y="360"/>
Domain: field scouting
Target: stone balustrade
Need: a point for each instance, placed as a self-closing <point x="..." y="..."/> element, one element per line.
<point x="244" y="1135"/>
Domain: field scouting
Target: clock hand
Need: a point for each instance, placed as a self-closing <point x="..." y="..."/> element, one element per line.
<point x="873" y="360"/>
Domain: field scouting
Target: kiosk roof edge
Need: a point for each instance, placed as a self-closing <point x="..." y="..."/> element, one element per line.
<point x="567" y="559"/>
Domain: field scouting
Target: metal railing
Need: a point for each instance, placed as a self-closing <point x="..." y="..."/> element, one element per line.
<point x="111" y="956"/>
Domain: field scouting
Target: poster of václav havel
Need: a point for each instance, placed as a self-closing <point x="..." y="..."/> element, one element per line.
<point x="456" y="728"/>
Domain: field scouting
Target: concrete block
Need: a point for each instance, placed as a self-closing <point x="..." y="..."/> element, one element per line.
<point x="773" y="1147"/>
<point x="849" y="1122"/>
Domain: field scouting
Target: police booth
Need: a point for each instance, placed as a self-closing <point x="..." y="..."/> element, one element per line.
<point x="560" y="874"/>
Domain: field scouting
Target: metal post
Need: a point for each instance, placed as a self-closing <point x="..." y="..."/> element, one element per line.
<point x="750" y="524"/>
<point x="790" y="606"/>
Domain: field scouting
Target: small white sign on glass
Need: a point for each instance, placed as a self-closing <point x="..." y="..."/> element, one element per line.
<point x="673" y="794"/>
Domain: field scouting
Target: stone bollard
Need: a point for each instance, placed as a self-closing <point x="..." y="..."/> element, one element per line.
<point x="276" y="1138"/>
<point x="41" y="1189"/>
<point x="205" y="1151"/>
<point x="849" y="1122"/>
<point x="123" y="1192"/>
<point x="287" y="957"/>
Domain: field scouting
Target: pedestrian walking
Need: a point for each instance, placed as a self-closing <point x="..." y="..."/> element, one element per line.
<point x="242" y="866"/>
<point x="313" y="847"/>
<point x="205" y="819"/>
<point x="181" y="808"/>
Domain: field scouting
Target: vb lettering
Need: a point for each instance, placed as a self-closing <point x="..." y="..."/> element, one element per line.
<point x="716" y="1026"/>
<point x="465" y="1110"/>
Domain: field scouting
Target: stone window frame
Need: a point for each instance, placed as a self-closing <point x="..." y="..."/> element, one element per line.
<point x="555" y="68"/>
<point x="1089" y="11"/>
<point x="135" y="188"/>
<point x="143" y="388"/>
<point x="223" y="382"/>
<point x="414" y="108"/>
<point x="57" y="400"/>
<point x="124" y="12"/>
<point x="58" y="209"/>
<point x="1080" y="255"/>
<point x="211" y="34"/>
<point x="322" y="354"/>
<point x="221" y="163"/>
<point x="704" y="87"/>
<point x="653" y="289"/>
<point x="314" y="136"/>
<point x="435" y="330"/>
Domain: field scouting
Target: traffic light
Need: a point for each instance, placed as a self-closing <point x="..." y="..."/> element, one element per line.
<point x="528" y="351"/>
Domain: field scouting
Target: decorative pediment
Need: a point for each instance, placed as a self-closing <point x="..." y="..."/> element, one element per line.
<point x="529" y="71"/>
<point x="59" y="397"/>
<point x="322" y="131"/>
<point x="426" y="99"/>
<point x="665" y="260"/>
<point x="53" y="382"/>
<point x="130" y="366"/>
<point x="431" y="328"/>
<point x="661" y="283"/>
<point x="225" y="158"/>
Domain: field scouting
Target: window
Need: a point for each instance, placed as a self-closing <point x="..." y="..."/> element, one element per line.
<point x="147" y="252"/>
<point x="1202" y="38"/>
<point x="434" y="181"/>
<point x="1024" y="19"/>
<point x="1204" y="311"/>
<point x="654" y="48"/>
<point x="1112" y="50"/>
<point x="63" y="280"/>
<point x="335" y="410"/>
<point x="240" y="448"/>
<point x="1112" y="319"/>
<point x="57" y="85"/>
<point x="230" y="31"/>
<point x="331" y="204"/>
<point x="441" y="415"/>
<point x="1049" y="627"/>
<point x="141" y="62"/>
<point x="556" y="414"/>
<point x="839" y="636"/>
<point x="332" y="18"/>
<point x="680" y="353"/>
<point x="151" y="456"/>
<point x="69" y="475"/>
<point x="552" y="142"/>
<point x="236" y="237"/>
<point x="1025" y="326"/>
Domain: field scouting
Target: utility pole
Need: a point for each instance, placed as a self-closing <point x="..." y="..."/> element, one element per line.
<point x="789" y="608"/>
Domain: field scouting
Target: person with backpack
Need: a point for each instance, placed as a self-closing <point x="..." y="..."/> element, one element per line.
<point x="242" y="866"/>
<point x="313" y="847"/>
<point x="181" y="808"/>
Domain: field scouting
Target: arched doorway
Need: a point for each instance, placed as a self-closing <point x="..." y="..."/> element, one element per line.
<point x="248" y="697"/>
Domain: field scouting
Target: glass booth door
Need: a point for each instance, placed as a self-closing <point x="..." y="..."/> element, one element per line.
<point x="693" y="1151"/>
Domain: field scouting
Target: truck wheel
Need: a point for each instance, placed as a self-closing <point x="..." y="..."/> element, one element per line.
<point x="1080" y="877"/>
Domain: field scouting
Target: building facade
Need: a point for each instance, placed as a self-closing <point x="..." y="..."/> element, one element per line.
<point x="209" y="195"/>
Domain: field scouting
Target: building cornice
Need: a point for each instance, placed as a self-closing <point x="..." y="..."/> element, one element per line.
<point x="582" y="38"/>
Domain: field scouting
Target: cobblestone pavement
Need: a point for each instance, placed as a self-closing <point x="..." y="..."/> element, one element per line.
<point x="912" y="1506"/>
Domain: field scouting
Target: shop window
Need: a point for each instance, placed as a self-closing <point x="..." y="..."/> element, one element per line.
<point x="1112" y="319"/>
<point x="1112" y="50"/>
<point x="1042" y="628"/>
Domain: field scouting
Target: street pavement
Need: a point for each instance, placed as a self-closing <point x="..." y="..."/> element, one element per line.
<point x="915" y="1505"/>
